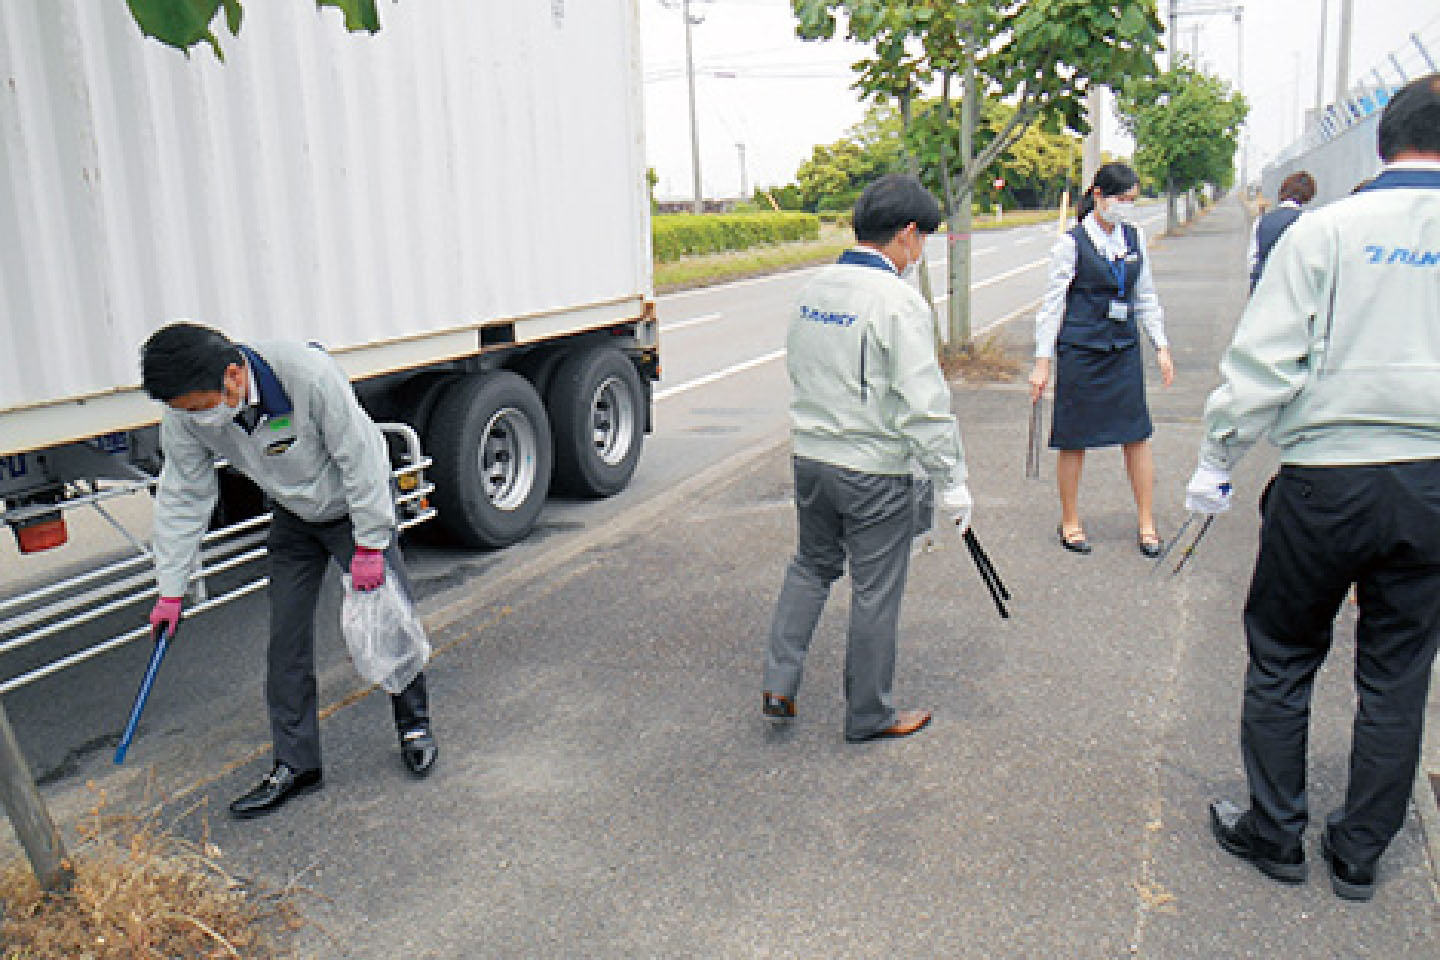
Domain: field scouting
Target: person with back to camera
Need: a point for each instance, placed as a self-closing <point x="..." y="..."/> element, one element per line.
<point x="869" y="399"/>
<point x="1296" y="190"/>
<point x="1337" y="359"/>
<point x="1099" y="295"/>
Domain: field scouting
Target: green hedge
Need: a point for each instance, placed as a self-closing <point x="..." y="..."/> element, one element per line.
<point x="676" y="235"/>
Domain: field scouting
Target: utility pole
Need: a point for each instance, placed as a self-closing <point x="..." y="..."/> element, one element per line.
<point x="1320" y="64"/>
<point x="28" y="815"/>
<point x="1342" y="57"/>
<point x="698" y="205"/>
<point x="1172" y="38"/>
<point x="1090" y="159"/>
<point x="744" y="181"/>
<point x="1240" y="85"/>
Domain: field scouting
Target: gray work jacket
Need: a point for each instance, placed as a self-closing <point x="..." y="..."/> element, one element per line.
<point x="324" y="460"/>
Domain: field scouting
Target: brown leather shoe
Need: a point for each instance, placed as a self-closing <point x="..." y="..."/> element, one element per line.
<point x="776" y="707"/>
<point x="906" y="723"/>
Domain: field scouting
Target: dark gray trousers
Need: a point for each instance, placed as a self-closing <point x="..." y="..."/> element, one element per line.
<point x="868" y="519"/>
<point x="299" y="552"/>
<point x="1324" y="528"/>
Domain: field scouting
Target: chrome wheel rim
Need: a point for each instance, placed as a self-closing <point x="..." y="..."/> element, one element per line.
<point x="507" y="458"/>
<point x="613" y="421"/>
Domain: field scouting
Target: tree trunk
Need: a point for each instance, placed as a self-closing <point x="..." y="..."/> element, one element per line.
<point x="913" y="164"/>
<point x="1170" y="220"/>
<point x="961" y="218"/>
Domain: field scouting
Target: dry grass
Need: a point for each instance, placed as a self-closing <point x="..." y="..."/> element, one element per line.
<point x="142" y="892"/>
<point x="983" y="361"/>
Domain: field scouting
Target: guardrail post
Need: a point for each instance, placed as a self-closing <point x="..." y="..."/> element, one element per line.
<point x="28" y="815"/>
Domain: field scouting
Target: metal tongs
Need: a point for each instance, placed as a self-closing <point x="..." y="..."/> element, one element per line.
<point x="998" y="593"/>
<point x="1189" y="550"/>
<point x="1033" y="445"/>
<point x="162" y="644"/>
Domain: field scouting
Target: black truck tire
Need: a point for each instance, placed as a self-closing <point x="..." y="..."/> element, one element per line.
<point x="489" y="440"/>
<point x="597" y="412"/>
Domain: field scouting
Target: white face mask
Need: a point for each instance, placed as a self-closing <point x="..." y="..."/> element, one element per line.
<point x="912" y="269"/>
<point x="215" y="417"/>
<point x="1120" y="211"/>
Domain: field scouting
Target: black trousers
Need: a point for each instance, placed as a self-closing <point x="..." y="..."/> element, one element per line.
<point x="299" y="552"/>
<point x="1324" y="528"/>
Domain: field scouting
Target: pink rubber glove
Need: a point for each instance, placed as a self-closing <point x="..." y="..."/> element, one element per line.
<point x="367" y="569"/>
<point x="165" y="615"/>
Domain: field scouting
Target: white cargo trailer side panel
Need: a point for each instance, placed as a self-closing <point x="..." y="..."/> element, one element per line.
<point x="471" y="162"/>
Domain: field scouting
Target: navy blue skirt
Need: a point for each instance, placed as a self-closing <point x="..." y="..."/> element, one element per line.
<point x="1099" y="398"/>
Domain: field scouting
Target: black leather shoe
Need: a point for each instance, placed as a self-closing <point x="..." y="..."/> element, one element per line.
<point x="776" y="707"/>
<point x="1149" y="548"/>
<point x="279" y="785"/>
<point x="418" y="749"/>
<point x="1235" y="832"/>
<point x="1349" y="881"/>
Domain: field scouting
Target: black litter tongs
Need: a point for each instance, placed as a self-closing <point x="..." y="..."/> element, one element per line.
<point x="998" y="593"/>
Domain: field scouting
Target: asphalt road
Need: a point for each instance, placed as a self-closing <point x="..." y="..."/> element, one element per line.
<point x="608" y="789"/>
<point x="724" y="391"/>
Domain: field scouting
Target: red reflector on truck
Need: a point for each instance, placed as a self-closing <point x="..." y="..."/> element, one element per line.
<point x="42" y="533"/>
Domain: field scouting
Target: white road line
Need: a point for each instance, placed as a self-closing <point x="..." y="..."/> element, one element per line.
<point x="729" y="371"/>
<point x="979" y="284"/>
<point x="733" y="284"/>
<point x="690" y="322"/>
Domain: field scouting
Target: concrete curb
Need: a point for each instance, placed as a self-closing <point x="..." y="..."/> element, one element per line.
<point x="1426" y="805"/>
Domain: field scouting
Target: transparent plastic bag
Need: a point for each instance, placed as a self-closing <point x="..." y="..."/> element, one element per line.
<point x="386" y="641"/>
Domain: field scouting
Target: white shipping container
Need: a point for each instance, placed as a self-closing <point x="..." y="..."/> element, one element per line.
<point x="388" y="195"/>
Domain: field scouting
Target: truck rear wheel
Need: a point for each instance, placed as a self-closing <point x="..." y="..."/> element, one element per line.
<point x="490" y="442"/>
<point x="597" y="411"/>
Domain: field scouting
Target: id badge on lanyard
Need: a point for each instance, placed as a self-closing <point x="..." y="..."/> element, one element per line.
<point x="1119" y="309"/>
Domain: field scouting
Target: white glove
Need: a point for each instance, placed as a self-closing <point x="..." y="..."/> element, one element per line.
<point x="1209" y="490"/>
<point x="956" y="501"/>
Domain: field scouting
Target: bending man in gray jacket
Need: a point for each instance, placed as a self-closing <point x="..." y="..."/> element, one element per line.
<point x="284" y="415"/>
<point x="869" y="399"/>
<point x="1338" y="357"/>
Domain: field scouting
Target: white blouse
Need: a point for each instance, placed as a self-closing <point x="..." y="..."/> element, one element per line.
<point x="1062" y="270"/>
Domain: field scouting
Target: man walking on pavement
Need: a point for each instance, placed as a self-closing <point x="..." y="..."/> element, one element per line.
<point x="284" y="415"/>
<point x="1338" y="357"/>
<point x="869" y="398"/>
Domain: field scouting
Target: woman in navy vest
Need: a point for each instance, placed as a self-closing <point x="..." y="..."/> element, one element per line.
<point x="1099" y="295"/>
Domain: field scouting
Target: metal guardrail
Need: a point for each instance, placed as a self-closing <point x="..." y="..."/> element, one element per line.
<point x="53" y="609"/>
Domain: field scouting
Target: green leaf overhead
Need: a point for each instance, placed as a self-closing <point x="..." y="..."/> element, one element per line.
<point x="183" y="24"/>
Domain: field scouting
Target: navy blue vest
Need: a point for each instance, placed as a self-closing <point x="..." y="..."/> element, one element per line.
<point x="1087" y="320"/>
<point x="1271" y="226"/>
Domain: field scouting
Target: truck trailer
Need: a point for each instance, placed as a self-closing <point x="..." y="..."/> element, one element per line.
<point x="454" y="207"/>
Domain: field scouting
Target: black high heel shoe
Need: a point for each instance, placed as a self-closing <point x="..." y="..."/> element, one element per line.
<point x="1077" y="545"/>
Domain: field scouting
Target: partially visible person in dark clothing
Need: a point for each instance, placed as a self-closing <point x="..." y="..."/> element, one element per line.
<point x="1296" y="190"/>
<point x="1337" y="361"/>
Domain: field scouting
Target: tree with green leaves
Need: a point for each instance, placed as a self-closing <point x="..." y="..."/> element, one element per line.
<point x="1038" y="166"/>
<point x="1040" y="56"/>
<point x="187" y="23"/>
<point x="833" y="176"/>
<point x="1186" y="126"/>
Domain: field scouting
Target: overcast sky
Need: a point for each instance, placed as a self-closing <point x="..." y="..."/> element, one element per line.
<point x="759" y="86"/>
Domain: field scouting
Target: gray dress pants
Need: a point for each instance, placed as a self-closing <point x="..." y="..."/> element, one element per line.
<point x="299" y="553"/>
<point x="869" y="520"/>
